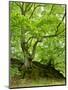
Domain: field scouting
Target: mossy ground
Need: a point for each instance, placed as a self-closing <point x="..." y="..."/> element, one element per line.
<point x="38" y="82"/>
<point x="38" y="75"/>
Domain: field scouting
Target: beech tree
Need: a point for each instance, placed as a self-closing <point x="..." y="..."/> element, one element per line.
<point x="37" y="32"/>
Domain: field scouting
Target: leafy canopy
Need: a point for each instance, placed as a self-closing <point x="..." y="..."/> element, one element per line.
<point x="42" y="22"/>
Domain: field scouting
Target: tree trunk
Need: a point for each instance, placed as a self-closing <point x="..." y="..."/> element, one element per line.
<point x="27" y="66"/>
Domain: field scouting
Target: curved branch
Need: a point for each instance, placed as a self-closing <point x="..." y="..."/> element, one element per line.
<point x="35" y="44"/>
<point x="29" y="39"/>
<point x="35" y="7"/>
<point x="50" y="36"/>
<point x="19" y="5"/>
<point x="60" y="22"/>
<point x="47" y="36"/>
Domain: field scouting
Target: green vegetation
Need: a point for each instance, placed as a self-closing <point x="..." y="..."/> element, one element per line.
<point x="37" y="44"/>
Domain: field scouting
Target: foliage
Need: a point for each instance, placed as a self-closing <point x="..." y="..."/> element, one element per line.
<point x="38" y="23"/>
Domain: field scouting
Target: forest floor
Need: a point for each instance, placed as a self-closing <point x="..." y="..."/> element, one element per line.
<point x="39" y="75"/>
<point x="38" y="82"/>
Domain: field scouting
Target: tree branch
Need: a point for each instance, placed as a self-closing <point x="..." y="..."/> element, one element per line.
<point x="34" y="48"/>
<point x="29" y="7"/>
<point x="18" y="4"/>
<point x="22" y="10"/>
<point x="35" y="44"/>
<point x="48" y="36"/>
<point x="21" y="7"/>
<point x="29" y="39"/>
<point x="55" y="35"/>
<point x="34" y="10"/>
<point x="60" y="22"/>
<point x="51" y="9"/>
<point x="61" y="31"/>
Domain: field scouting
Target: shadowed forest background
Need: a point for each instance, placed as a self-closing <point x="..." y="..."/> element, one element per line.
<point x="37" y="44"/>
